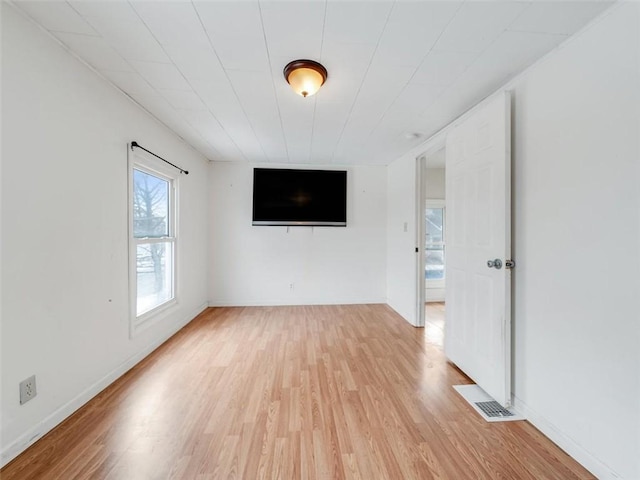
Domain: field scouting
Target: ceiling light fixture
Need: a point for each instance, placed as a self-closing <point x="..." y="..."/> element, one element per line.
<point x="305" y="76"/>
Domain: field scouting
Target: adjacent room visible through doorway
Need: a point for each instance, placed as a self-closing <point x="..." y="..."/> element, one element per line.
<point x="434" y="323"/>
<point x="432" y="237"/>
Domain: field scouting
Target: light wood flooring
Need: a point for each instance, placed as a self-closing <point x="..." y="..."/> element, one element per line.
<point x="434" y="322"/>
<point x="325" y="392"/>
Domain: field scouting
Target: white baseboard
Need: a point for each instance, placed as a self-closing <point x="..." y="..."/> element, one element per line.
<point x="566" y="443"/>
<point x="434" y="295"/>
<point x="58" y="416"/>
<point x="411" y="320"/>
<point x="296" y="302"/>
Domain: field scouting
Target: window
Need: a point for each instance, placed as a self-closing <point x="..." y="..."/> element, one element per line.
<point x="434" y="243"/>
<point x="152" y="242"/>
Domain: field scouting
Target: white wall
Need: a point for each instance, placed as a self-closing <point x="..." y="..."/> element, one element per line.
<point x="402" y="270"/>
<point x="326" y="265"/>
<point x="64" y="231"/>
<point x="434" y="183"/>
<point x="576" y="242"/>
<point x="401" y="242"/>
<point x="576" y="161"/>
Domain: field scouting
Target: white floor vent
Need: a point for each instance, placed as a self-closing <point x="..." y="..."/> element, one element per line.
<point x="486" y="406"/>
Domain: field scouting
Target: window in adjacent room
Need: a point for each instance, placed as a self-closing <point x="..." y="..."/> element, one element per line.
<point x="434" y="243"/>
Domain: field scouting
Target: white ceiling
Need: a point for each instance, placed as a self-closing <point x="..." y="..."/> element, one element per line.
<point x="212" y="70"/>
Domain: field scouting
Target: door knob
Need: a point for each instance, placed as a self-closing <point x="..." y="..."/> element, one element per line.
<point x="497" y="264"/>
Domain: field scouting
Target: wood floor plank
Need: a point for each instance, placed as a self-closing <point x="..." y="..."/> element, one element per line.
<point x="310" y="392"/>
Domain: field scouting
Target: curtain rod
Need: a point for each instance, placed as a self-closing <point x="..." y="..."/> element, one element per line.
<point x="135" y="144"/>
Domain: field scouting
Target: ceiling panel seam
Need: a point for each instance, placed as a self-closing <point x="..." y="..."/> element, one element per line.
<point x="204" y="29"/>
<point x="416" y="70"/>
<point x="188" y="83"/>
<point x="266" y="46"/>
<point x="344" y="125"/>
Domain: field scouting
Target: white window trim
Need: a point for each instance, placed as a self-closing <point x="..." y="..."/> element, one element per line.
<point x="151" y="165"/>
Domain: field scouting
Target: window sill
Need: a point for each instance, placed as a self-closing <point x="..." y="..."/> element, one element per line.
<point x="150" y="318"/>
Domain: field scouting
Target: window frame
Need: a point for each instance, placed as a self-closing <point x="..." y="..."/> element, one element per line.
<point x="151" y="166"/>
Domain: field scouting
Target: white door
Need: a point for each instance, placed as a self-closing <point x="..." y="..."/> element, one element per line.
<point x="478" y="294"/>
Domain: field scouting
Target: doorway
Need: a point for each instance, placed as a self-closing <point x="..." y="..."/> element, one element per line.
<point x="475" y="151"/>
<point x="434" y="271"/>
<point x="432" y="242"/>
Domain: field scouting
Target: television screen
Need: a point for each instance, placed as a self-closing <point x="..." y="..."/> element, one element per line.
<point x="299" y="197"/>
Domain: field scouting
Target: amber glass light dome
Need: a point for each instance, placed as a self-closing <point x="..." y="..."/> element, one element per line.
<point x="305" y="76"/>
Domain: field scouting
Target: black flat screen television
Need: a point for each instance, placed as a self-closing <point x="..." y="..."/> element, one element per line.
<point x="299" y="197"/>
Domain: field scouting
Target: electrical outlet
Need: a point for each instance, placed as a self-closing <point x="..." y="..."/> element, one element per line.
<point x="292" y="286"/>
<point x="28" y="389"/>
